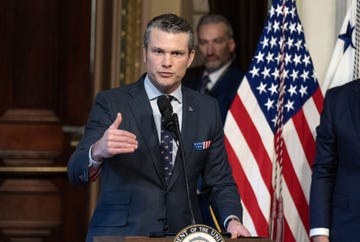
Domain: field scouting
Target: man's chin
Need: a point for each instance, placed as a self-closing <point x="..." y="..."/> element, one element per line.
<point x="212" y="67"/>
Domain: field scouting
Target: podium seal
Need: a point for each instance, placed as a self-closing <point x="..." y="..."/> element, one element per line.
<point x="198" y="233"/>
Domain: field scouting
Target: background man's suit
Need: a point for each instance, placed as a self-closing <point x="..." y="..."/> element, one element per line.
<point x="224" y="89"/>
<point x="335" y="188"/>
<point x="132" y="182"/>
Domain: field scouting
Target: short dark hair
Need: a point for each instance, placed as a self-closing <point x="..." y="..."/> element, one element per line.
<point x="170" y="23"/>
<point x="216" y="18"/>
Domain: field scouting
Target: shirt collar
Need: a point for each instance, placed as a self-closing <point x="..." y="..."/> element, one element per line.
<point x="153" y="93"/>
<point x="214" y="76"/>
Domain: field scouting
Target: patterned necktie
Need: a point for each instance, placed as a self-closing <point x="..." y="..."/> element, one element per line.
<point x="204" y="82"/>
<point x="166" y="149"/>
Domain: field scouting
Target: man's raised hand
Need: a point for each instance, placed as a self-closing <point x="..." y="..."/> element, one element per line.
<point x="114" y="141"/>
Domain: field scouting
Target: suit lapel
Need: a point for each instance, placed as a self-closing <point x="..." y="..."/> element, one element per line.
<point x="143" y="115"/>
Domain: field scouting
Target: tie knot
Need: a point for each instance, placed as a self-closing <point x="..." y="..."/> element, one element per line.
<point x="166" y="96"/>
<point x="205" y="76"/>
<point x="170" y="97"/>
<point x="205" y="79"/>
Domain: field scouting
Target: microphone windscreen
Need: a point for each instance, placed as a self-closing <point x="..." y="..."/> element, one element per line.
<point x="165" y="107"/>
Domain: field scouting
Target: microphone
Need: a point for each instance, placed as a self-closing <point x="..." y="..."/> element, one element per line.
<point x="172" y="124"/>
<point x="166" y="110"/>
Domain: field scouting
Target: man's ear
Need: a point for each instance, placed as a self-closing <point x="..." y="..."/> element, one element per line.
<point x="144" y="54"/>
<point x="191" y="58"/>
<point x="232" y="45"/>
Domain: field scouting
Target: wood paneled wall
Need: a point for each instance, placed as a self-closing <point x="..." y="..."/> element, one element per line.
<point x="46" y="85"/>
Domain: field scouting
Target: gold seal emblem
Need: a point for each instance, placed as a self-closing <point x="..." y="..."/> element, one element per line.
<point x="198" y="233"/>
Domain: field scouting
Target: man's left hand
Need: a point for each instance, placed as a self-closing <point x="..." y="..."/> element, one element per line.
<point x="237" y="229"/>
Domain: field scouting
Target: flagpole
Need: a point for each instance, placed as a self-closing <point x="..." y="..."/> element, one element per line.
<point x="277" y="219"/>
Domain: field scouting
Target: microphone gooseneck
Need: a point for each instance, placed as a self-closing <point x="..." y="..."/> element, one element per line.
<point x="172" y="124"/>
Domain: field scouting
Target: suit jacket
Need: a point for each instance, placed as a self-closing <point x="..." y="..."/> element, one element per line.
<point x="134" y="198"/>
<point x="224" y="89"/>
<point x="335" y="192"/>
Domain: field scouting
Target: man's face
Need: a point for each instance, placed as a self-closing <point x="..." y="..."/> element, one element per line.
<point x="167" y="57"/>
<point x="215" y="46"/>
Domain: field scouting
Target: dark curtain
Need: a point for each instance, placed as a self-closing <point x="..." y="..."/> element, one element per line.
<point x="248" y="19"/>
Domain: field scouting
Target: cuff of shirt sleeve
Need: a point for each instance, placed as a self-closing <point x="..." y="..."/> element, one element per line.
<point x="230" y="218"/>
<point x="92" y="162"/>
<point x="319" y="231"/>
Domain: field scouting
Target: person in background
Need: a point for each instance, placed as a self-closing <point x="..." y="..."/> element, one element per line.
<point x="143" y="186"/>
<point x="335" y="192"/>
<point x="219" y="76"/>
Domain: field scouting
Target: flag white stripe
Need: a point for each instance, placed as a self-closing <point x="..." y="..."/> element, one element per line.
<point x="312" y="115"/>
<point x="248" y="222"/>
<point x="252" y="107"/>
<point x="297" y="157"/>
<point x="249" y="165"/>
<point x="292" y="217"/>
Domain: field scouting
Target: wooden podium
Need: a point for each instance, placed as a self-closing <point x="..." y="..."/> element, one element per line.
<point x="147" y="239"/>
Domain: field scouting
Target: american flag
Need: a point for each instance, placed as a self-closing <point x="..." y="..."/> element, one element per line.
<point x="270" y="129"/>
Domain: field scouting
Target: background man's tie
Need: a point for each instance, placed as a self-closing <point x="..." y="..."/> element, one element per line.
<point x="204" y="82"/>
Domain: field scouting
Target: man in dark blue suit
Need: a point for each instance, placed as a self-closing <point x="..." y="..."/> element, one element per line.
<point x="219" y="76"/>
<point x="122" y="143"/>
<point x="335" y="192"/>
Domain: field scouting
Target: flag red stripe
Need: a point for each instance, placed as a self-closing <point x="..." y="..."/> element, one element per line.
<point x="295" y="189"/>
<point x="288" y="235"/>
<point x="246" y="190"/>
<point x="305" y="135"/>
<point x="253" y="139"/>
<point x="318" y="99"/>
